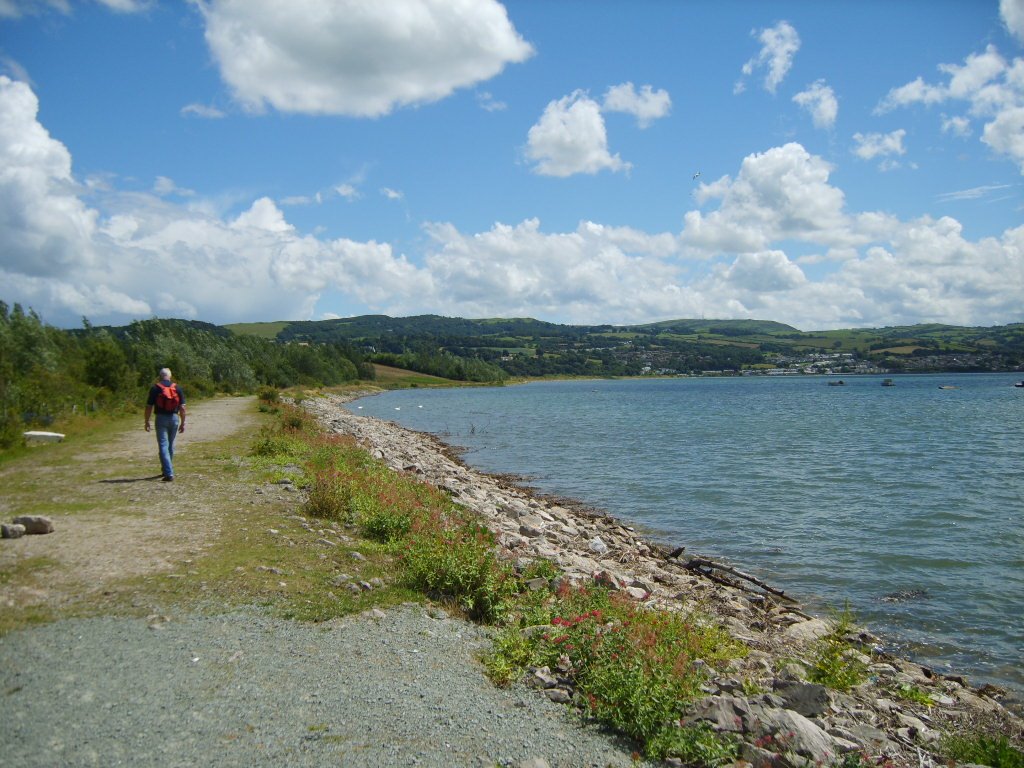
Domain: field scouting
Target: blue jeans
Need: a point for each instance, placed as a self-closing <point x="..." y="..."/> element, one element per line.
<point x="166" y="430"/>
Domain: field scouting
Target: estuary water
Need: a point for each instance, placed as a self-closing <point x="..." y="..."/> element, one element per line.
<point x="907" y="502"/>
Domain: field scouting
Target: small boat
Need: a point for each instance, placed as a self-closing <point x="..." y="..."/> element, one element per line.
<point x="947" y="386"/>
<point x="888" y="383"/>
<point x="839" y="383"/>
<point x="1019" y="383"/>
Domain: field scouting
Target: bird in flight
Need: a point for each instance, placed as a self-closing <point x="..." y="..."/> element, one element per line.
<point x="696" y="175"/>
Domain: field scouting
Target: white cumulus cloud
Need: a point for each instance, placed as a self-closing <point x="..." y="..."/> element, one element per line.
<point x="993" y="90"/>
<point x="349" y="57"/>
<point x="872" y="145"/>
<point x="44" y="226"/>
<point x="647" y="106"/>
<point x="777" y="243"/>
<point x="820" y="101"/>
<point x="782" y="193"/>
<point x="571" y="138"/>
<point x="1012" y="13"/>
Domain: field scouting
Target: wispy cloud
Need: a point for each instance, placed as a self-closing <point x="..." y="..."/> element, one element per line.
<point x="974" y="193"/>
<point x="489" y="103"/>
<point x="201" y="110"/>
<point x="779" y="44"/>
<point x="820" y="100"/>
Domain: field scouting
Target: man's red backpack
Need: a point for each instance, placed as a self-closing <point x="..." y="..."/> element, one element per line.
<point x="168" y="399"/>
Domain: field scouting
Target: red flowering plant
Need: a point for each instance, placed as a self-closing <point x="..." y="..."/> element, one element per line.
<point x="632" y="667"/>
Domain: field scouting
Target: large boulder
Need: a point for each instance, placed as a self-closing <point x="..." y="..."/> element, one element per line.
<point x="35" y="523"/>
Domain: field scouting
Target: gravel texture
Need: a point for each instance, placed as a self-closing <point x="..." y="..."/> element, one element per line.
<point x="394" y="688"/>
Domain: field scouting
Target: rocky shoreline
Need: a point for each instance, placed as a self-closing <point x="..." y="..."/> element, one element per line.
<point x="790" y="719"/>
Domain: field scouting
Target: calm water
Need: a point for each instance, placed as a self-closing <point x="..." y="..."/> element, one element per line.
<point x="907" y="501"/>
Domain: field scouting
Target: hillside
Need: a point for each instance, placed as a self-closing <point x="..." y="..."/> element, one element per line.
<point x="528" y="347"/>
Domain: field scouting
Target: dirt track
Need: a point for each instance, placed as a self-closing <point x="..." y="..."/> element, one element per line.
<point x="109" y="508"/>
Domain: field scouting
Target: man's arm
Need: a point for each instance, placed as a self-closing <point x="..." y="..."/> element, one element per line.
<point x="149" y="412"/>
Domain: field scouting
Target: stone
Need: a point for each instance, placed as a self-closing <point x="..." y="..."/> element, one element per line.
<point x="34" y="524"/>
<point x="792" y="672"/>
<point x="542" y="678"/>
<point x="807" y="631"/>
<point x="869" y="738"/>
<point x="12" y="530"/>
<point x="724" y="713"/>
<point x="608" y="579"/>
<point x="558" y="695"/>
<point x="809" y="699"/>
<point x="597" y="545"/>
<point x="800" y="735"/>
<point x="530" y="531"/>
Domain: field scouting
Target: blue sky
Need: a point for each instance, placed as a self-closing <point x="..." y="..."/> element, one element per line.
<point x="825" y="164"/>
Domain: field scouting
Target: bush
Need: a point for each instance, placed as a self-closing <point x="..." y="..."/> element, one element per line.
<point x="271" y="445"/>
<point x="268" y="395"/>
<point x="635" y="668"/>
<point x="458" y="561"/>
<point x="329" y="496"/>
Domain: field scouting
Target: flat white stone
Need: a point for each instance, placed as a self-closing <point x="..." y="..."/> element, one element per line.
<point x="43" y="437"/>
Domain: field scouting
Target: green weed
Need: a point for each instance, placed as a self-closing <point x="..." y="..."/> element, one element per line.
<point x="697" y="745"/>
<point x="834" y="662"/>
<point x="983" y="749"/>
<point x="909" y="692"/>
<point x="635" y="668"/>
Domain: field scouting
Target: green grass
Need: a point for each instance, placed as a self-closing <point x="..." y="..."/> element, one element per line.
<point x="983" y="749"/>
<point x="263" y="330"/>
<point x="399" y="378"/>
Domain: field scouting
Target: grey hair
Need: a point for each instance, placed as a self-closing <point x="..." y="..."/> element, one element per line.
<point x="165" y="373"/>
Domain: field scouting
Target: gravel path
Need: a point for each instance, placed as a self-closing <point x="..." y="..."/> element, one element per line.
<point x="391" y="689"/>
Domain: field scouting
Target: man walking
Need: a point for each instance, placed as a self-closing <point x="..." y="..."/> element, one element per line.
<point x="167" y="399"/>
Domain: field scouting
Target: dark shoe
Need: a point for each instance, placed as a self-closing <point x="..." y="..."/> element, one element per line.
<point x="168" y="478"/>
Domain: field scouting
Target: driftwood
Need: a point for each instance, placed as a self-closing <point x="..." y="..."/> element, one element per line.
<point x="706" y="567"/>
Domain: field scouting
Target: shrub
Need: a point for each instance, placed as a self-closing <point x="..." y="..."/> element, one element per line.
<point x="635" y="668"/>
<point x="268" y="395"/>
<point x="458" y="561"/>
<point x="271" y="445"/>
<point x="329" y="496"/>
<point x="834" y="662"/>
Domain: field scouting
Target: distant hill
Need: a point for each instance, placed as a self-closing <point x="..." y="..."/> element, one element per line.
<point x="528" y="347"/>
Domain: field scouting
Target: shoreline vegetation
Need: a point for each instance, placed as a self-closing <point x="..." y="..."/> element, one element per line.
<point x="697" y="661"/>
